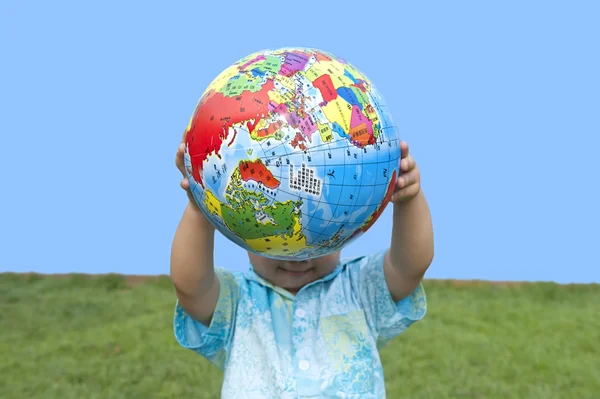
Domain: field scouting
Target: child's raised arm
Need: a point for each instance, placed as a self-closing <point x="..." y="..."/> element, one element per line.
<point x="411" y="247"/>
<point x="192" y="267"/>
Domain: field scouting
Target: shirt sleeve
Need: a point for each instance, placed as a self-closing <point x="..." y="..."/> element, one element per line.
<point x="386" y="318"/>
<point x="212" y="342"/>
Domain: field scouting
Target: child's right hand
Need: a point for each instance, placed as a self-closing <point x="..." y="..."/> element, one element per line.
<point x="184" y="183"/>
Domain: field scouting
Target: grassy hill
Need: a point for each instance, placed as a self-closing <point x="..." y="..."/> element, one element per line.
<point x="111" y="336"/>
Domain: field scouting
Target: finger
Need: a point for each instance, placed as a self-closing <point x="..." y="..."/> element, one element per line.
<point x="407" y="164"/>
<point x="403" y="149"/>
<point x="407" y="192"/>
<point x="185" y="183"/>
<point x="179" y="158"/>
<point x="181" y="150"/>
<point x="408" y="179"/>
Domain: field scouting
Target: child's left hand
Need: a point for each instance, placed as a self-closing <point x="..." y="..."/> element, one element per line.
<point x="408" y="184"/>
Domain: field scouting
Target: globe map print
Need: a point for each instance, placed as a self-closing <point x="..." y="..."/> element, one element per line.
<point x="291" y="153"/>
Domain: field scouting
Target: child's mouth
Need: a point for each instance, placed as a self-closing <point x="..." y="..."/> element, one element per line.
<point x="296" y="273"/>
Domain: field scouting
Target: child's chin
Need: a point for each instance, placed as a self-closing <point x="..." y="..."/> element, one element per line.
<point x="295" y="281"/>
<point x="299" y="275"/>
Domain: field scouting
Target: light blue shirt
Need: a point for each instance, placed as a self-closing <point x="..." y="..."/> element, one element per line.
<point x="321" y="343"/>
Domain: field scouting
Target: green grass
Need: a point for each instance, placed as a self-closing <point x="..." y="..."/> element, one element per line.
<point x="100" y="337"/>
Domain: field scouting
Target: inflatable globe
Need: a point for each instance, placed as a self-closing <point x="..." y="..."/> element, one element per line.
<point x="291" y="153"/>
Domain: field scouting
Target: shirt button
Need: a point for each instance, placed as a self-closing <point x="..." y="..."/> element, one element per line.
<point x="300" y="313"/>
<point x="304" y="365"/>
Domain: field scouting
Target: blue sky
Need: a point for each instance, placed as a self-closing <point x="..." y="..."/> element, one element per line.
<point x="499" y="102"/>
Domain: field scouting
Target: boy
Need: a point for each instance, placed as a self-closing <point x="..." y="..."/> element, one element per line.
<point x="305" y="329"/>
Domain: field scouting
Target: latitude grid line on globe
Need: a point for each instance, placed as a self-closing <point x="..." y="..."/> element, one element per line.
<point x="328" y="203"/>
<point x="319" y="146"/>
<point x="334" y="164"/>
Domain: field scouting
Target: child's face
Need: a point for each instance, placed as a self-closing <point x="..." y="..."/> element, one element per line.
<point x="293" y="275"/>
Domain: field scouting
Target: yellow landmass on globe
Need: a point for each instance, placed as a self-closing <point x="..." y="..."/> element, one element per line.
<point x="276" y="97"/>
<point x="261" y="123"/>
<point x="334" y="69"/>
<point x="331" y="68"/>
<point x="371" y="114"/>
<point x="284" y="81"/>
<point x="212" y="203"/>
<point x="326" y="132"/>
<point x="340" y="111"/>
<point x="295" y="243"/>
<point x="189" y="126"/>
<point x="314" y="72"/>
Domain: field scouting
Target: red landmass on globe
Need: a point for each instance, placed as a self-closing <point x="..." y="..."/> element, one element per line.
<point x="257" y="171"/>
<point x="214" y="116"/>
<point x="298" y="141"/>
<point x="326" y="87"/>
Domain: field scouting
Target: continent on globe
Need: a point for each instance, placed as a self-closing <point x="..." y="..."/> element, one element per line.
<point x="257" y="171"/>
<point x="291" y="153"/>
